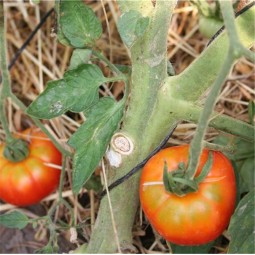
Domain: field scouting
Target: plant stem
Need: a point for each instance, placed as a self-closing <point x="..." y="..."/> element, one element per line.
<point x="235" y="51"/>
<point x="149" y="68"/>
<point x="218" y="147"/>
<point x="5" y="90"/>
<point x="196" y="146"/>
<point x="104" y="59"/>
<point x="229" y="21"/>
<point x="221" y="122"/>
<point x="60" y="189"/>
<point x="192" y="83"/>
<point x="62" y="176"/>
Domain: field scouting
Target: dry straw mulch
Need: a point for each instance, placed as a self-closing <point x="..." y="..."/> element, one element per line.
<point x="45" y="59"/>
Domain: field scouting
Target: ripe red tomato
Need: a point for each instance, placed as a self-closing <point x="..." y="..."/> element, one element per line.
<point x="30" y="180"/>
<point x="196" y="218"/>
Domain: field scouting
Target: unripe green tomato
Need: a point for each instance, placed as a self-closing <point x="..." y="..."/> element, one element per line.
<point x="208" y="26"/>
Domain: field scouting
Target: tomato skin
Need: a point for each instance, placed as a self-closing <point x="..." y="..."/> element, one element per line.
<point x="30" y="180"/>
<point x="196" y="218"/>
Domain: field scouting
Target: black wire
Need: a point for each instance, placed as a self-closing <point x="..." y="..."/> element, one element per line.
<point x="247" y="7"/>
<point x="17" y="54"/>
<point x="140" y="165"/>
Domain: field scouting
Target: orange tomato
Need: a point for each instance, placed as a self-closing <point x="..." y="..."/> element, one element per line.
<point x="196" y="218"/>
<point x="30" y="180"/>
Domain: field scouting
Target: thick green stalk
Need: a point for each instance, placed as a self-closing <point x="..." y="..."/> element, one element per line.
<point x="234" y="52"/>
<point x="229" y="21"/>
<point x="149" y="65"/>
<point x="198" y="77"/>
<point x="191" y="84"/>
<point x="221" y="122"/>
<point x="153" y="109"/>
<point x="196" y="145"/>
<point x="237" y="47"/>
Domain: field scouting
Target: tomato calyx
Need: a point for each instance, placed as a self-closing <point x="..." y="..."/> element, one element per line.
<point x="16" y="150"/>
<point x="180" y="182"/>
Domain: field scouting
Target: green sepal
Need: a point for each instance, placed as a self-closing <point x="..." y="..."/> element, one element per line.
<point x="16" y="150"/>
<point x="180" y="183"/>
<point x="185" y="185"/>
<point x="176" y="182"/>
<point x="166" y="178"/>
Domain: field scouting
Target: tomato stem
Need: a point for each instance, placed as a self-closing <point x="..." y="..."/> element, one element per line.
<point x="236" y="50"/>
<point x="5" y="89"/>
<point x="196" y="146"/>
<point x="60" y="189"/>
<point x="16" y="149"/>
<point x="236" y="47"/>
<point x="105" y="60"/>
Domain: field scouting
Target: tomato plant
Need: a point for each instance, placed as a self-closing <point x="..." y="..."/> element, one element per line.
<point x="196" y="218"/>
<point x="131" y="126"/>
<point x="28" y="181"/>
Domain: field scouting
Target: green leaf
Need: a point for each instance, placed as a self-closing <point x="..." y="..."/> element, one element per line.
<point x="209" y="26"/>
<point x="79" y="56"/>
<point x="243" y="149"/>
<point x="84" y="82"/>
<point x="247" y="174"/>
<point x="132" y="25"/>
<point x="14" y="219"/>
<point x="201" y="249"/>
<point x="52" y="102"/>
<point x="76" y="92"/>
<point x="242" y="159"/>
<point x="241" y="228"/>
<point x="79" y="23"/>
<point x="124" y="68"/>
<point x="251" y="111"/>
<point x="61" y="37"/>
<point x="48" y="249"/>
<point x="94" y="183"/>
<point x="143" y="6"/>
<point x="92" y="138"/>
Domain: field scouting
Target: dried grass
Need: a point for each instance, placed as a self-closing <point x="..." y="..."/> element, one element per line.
<point x="45" y="59"/>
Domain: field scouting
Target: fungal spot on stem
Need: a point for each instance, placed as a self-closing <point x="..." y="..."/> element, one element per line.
<point x="122" y="144"/>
